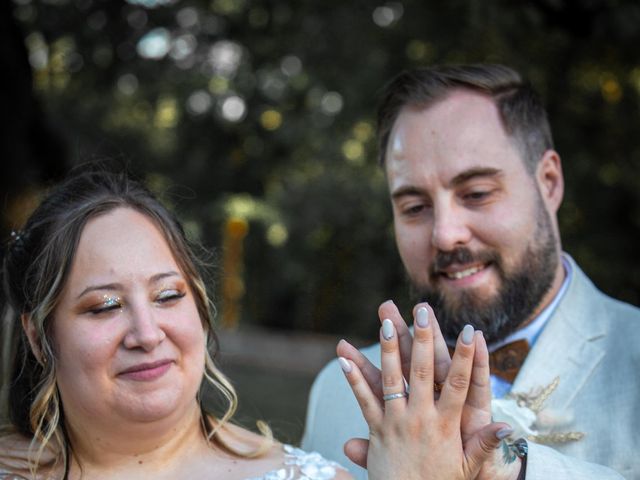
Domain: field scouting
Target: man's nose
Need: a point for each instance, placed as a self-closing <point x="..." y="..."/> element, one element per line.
<point x="450" y="228"/>
<point x="144" y="330"/>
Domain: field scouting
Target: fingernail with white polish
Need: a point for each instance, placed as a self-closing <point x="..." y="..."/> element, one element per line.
<point x="422" y="317"/>
<point x="467" y="334"/>
<point x="504" y="433"/>
<point x="344" y="364"/>
<point x="387" y="329"/>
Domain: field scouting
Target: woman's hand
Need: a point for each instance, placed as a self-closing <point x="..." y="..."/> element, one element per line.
<point x="422" y="436"/>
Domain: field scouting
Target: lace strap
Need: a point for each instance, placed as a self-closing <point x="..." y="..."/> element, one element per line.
<point x="301" y="465"/>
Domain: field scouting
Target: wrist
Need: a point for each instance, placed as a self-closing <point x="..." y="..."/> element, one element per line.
<point x="499" y="469"/>
<point x="513" y="471"/>
<point x="521" y="450"/>
<point x="509" y="462"/>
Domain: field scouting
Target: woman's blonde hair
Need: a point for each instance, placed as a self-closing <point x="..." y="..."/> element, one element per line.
<point x="35" y="269"/>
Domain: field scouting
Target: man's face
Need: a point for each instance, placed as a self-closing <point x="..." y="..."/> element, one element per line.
<point x="473" y="227"/>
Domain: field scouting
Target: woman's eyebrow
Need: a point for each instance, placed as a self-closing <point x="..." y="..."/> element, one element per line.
<point x="106" y="286"/>
<point x="159" y="276"/>
<point x="118" y="286"/>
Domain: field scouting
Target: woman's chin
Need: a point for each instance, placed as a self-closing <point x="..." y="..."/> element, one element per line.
<point x="152" y="408"/>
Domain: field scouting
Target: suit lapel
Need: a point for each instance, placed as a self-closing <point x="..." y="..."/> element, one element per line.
<point x="568" y="347"/>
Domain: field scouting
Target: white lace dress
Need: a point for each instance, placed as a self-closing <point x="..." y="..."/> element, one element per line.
<point x="301" y="465"/>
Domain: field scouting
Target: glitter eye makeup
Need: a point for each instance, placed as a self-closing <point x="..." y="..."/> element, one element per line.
<point x="112" y="301"/>
<point x="109" y="302"/>
<point x="169" y="295"/>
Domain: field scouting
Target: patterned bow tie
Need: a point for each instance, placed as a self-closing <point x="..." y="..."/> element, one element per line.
<point x="505" y="362"/>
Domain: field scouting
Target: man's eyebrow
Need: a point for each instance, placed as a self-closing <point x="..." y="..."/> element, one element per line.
<point x="118" y="286"/>
<point x="473" y="173"/>
<point x="408" y="190"/>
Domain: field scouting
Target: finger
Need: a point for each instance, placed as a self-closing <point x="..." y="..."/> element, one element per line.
<point x="369" y="404"/>
<point x="356" y="450"/>
<point x="389" y="310"/>
<point x="392" y="379"/>
<point x="370" y="372"/>
<point x="477" y="412"/>
<point x="442" y="357"/>
<point x="456" y="386"/>
<point x="479" y="395"/>
<point x="421" y="379"/>
<point x="484" y="443"/>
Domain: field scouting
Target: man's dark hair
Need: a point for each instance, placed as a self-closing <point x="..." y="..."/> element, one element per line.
<point x="521" y="111"/>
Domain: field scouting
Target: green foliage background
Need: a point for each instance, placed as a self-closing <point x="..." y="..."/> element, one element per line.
<point x="299" y="165"/>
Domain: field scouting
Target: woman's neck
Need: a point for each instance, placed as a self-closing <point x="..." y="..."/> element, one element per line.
<point x="146" y="447"/>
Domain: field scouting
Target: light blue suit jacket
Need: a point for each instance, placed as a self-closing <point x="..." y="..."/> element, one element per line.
<point x="591" y="342"/>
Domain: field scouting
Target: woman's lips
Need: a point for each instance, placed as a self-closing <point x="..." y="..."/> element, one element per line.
<point x="146" y="371"/>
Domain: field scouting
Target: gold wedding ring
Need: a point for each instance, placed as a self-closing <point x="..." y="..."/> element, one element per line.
<point x="437" y="387"/>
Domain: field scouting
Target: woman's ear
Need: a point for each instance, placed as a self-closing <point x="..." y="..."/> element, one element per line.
<point x="550" y="179"/>
<point x="32" y="335"/>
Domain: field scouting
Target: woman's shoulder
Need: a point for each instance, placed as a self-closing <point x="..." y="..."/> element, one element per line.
<point x="15" y="451"/>
<point x="7" y="475"/>
<point x="14" y="456"/>
<point x="14" y="446"/>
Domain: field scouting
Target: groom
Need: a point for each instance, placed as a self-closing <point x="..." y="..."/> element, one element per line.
<point x="475" y="187"/>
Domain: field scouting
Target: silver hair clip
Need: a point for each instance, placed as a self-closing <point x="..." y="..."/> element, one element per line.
<point x="17" y="239"/>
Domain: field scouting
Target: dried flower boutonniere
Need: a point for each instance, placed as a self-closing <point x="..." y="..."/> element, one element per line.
<point x="526" y="414"/>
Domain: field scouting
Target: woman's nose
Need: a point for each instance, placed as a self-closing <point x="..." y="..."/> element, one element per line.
<point x="144" y="330"/>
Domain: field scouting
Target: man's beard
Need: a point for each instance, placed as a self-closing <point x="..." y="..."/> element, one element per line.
<point x="521" y="289"/>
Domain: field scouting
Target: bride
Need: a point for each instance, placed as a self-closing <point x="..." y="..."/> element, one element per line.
<point x="113" y="331"/>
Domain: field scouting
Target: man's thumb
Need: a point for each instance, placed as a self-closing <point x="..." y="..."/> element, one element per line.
<point x="484" y="443"/>
<point x="356" y="450"/>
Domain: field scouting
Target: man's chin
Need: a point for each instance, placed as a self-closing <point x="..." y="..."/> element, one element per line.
<point x="466" y="298"/>
<point x="455" y="310"/>
<point x="460" y="307"/>
<point x="465" y="311"/>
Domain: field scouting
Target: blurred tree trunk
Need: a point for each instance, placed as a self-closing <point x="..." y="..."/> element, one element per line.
<point x="30" y="150"/>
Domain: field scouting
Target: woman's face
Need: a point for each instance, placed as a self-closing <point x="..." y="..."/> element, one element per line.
<point x="129" y="340"/>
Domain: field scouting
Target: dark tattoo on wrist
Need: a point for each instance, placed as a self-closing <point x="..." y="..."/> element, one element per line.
<point x="508" y="454"/>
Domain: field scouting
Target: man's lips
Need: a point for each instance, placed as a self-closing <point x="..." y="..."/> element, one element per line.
<point x="459" y="272"/>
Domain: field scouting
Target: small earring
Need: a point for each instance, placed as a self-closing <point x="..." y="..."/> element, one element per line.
<point x="40" y="358"/>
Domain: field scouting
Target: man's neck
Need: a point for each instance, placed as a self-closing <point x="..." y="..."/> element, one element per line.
<point x="551" y="294"/>
<point x="530" y="329"/>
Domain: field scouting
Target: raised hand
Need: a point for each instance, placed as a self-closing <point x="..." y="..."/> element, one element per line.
<point x="419" y="436"/>
<point x="478" y="408"/>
